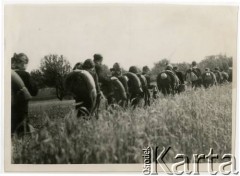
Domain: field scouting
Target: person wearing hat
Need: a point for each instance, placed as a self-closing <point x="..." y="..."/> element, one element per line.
<point x="116" y="70"/>
<point x="169" y="70"/>
<point x="208" y="78"/>
<point x="99" y="69"/>
<point x="169" y="67"/>
<point x="198" y="73"/>
<point x="195" y="69"/>
<point x="78" y="66"/>
<point x="19" y="109"/>
<point x="89" y="66"/>
<point x="102" y="78"/>
<point x="179" y="75"/>
<point x="134" y="69"/>
<point x="144" y="84"/>
<point x="145" y="72"/>
<point x="97" y="58"/>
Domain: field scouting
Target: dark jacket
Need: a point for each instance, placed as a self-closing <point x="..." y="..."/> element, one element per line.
<point x="95" y="77"/>
<point x="148" y="80"/>
<point x="29" y="83"/>
<point x="197" y="72"/>
<point x="19" y="110"/>
<point x="102" y="77"/>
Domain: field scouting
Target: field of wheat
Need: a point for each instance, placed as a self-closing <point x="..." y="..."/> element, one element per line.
<point x="192" y="122"/>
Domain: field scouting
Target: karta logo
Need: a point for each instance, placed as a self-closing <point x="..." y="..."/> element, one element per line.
<point x="153" y="159"/>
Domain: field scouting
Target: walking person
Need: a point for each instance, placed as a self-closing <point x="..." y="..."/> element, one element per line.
<point x="19" y="105"/>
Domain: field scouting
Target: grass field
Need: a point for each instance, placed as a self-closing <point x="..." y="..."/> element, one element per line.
<point x="192" y="122"/>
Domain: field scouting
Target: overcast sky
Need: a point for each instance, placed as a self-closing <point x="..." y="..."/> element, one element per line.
<point x="130" y="34"/>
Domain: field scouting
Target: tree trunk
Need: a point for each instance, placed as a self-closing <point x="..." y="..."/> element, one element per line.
<point x="59" y="93"/>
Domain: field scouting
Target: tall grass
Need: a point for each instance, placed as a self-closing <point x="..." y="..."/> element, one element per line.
<point x="192" y="122"/>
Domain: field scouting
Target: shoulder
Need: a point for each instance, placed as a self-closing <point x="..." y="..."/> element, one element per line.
<point x="23" y="74"/>
<point x="98" y="67"/>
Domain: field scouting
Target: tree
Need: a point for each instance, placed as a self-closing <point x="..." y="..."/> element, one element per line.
<point x="54" y="68"/>
<point x="213" y="61"/>
<point x="38" y="77"/>
<point x="182" y="66"/>
<point x="158" y="67"/>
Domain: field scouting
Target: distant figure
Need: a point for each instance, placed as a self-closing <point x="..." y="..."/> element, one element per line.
<point x="145" y="94"/>
<point x="89" y="66"/>
<point x="196" y="70"/>
<point x="19" y="107"/>
<point x="225" y="76"/>
<point x="179" y="74"/>
<point x="145" y="72"/>
<point x="218" y="75"/>
<point x="208" y="78"/>
<point x="181" y="79"/>
<point x="98" y="59"/>
<point x="167" y="81"/>
<point x="102" y="78"/>
<point x="134" y="88"/>
<point x="169" y="67"/>
<point x="83" y="84"/>
<point x="117" y="72"/>
<point x="193" y="75"/>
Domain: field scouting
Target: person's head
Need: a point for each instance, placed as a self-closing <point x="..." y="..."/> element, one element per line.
<point x="145" y="69"/>
<point x="97" y="58"/>
<point x="194" y="63"/>
<point x="175" y="68"/>
<point x="117" y="66"/>
<point x="134" y="69"/>
<point x="216" y="69"/>
<point x="169" y="67"/>
<point x="116" y="70"/>
<point x="207" y="69"/>
<point x="112" y="70"/>
<point x="88" y="64"/>
<point x="19" y="61"/>
<point x="78" y="66"/>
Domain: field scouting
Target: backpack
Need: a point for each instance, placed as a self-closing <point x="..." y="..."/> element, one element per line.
<point x="197" y="72"/>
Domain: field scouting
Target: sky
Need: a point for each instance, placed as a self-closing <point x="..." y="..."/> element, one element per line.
<point x="129" y="34"/>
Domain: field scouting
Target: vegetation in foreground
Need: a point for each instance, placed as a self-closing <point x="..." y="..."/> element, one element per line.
<point x="190" y="123"/>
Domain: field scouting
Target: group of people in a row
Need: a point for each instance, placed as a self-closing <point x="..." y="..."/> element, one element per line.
<point x="89" y="83"/>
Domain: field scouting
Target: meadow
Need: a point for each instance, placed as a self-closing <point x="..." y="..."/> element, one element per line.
<point x="190" y="123"/>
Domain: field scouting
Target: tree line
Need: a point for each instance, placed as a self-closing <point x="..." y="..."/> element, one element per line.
<point x="53" y="69"/>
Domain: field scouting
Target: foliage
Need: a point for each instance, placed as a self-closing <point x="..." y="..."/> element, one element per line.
<point x="192" y="122"/>
<point x="213" y="61"/>
<point x="182" y="66"/>
<point x="54" y="68"/>
<point x="38" y="78"/>
<point x="158" y="67"/>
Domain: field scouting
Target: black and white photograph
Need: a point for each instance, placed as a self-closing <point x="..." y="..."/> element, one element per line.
<point x="141" y="85"/>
